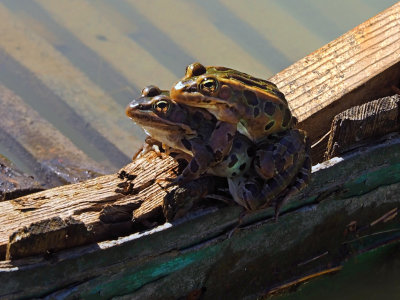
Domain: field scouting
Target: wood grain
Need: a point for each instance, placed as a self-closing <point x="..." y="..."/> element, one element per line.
<point x="85" y="201"/>
<point x="360" y="124"/>
<point x="357" y="67"/>
<point x="351" y="206"/>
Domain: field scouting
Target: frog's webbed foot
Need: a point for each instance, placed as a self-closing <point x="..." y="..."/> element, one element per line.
<point x="149" y="145"/>
<point x="172" y="181"/>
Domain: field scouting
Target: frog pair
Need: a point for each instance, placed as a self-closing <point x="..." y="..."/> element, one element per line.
<point x="229" y="124"/>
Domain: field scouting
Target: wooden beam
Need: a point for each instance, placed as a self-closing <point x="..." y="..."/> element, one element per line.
<point x="350" y="206"/>
<point x="92" y="201"/>
<point x="357" y="67"/>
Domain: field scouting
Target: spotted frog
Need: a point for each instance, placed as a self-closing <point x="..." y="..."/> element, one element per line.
<point x="192" y="131"/>
<point x="255" y="175"/>
<point x="255" y="105"/>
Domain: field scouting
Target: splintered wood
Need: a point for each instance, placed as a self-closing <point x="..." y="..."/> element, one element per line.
<point x="361" y="123"/>
<point x="100" y="208"/>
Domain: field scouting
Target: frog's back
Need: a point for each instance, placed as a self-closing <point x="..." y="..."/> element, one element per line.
<point x="256" y="105"/>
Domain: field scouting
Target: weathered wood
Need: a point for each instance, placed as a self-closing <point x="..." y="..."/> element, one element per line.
<point x="51" y="157"/>
<point x="357" y="67"/>
<point x="14" y="183"/>
<point x="90" y="201"/>
<point x="361" y="123"/>
<point x="350" y="206"/>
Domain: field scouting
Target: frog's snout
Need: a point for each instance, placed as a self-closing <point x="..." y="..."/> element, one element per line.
<point x="129" y="109"/>
<point x="132" y="107"/>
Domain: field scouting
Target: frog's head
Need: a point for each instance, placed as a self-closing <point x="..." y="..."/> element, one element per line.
<point x="227" y="93"/>
<point x="201" y="88"/>
<point x="158" y="114"/>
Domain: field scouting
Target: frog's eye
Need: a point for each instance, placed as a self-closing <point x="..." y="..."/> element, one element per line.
<point x="161" y="106"/>
<point x="209" y="85"/>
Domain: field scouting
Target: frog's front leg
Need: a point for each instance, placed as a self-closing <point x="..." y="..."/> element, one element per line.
<point x="202" y="158"/>
<point x="149" y="145"/>
<point x="221" y="140"/>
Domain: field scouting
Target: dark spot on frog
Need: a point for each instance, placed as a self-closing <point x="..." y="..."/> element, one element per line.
<point x="186" y="144"/>
<point x="256" y="112"/>
<point x="233" y="161"/>
<point x="251" y="97"/>
<point x="269" y="108"/>
<point x="234" y="174"/>
<point x="242" y="167"/>
<point x="286" y="118"/>
<point x="217" y="155"/>
<point x="194" y="166"/>
<point x="101" y="37"/>
<point x="251" y="151"/>
<point x="269" y="125"/>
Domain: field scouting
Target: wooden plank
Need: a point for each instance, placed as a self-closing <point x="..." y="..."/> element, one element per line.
<point x="85" y="201"/>
<point x="51" y="157"/>
<point x="350" y="206"/>
<point x="360" y="124"/>
<point x="359" y="66"/>
<point x="69" y="84"/>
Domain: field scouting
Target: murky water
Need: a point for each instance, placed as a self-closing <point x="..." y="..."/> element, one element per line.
<point x="79" y="64"/>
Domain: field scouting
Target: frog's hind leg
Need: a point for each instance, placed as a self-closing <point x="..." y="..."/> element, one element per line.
<point x="300" y="182"/>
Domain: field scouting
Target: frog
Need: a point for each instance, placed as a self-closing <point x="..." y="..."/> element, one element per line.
<point x="255" y="174"/>
<point x="255" y="105"/>
<point x="195" y="134"/>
